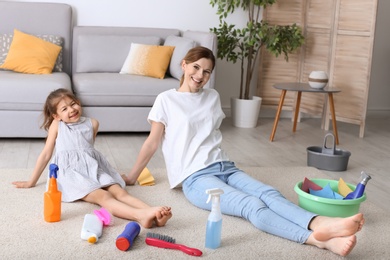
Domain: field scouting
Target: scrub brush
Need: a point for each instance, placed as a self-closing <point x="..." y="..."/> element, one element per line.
<point x="163" y="241"/>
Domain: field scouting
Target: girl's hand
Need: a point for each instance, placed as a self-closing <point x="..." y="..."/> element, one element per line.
<point x="23" y="184"/>
<point x="127" y="180"/>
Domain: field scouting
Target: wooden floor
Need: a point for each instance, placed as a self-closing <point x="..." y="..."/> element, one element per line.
<point x="251" y="147"/>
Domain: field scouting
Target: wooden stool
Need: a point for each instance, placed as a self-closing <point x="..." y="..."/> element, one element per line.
<point x="303" y="87"/>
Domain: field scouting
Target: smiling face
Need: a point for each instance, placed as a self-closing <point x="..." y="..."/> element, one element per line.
<point x="68" y="110"/>
<point x="196" y="74"/>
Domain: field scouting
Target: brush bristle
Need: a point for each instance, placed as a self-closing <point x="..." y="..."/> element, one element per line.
<point x="161" y="237"/>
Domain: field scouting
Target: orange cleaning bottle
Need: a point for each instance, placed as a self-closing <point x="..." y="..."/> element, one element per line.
<point x="52" y="197"/>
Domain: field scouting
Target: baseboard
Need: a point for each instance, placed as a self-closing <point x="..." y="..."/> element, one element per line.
<point x="270" y="113"/>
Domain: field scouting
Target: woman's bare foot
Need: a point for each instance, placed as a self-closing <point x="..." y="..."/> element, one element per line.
<point x="338" y="245"/>
<point x="325" y="228"/>
<point x="149" y="216"/>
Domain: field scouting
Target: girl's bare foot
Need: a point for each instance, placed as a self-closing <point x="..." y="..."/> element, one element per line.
<point x="325" y="228"/>
<point x="338" y="245"/>
<point x="163" y="216"/>
<point x="149" y="216"/>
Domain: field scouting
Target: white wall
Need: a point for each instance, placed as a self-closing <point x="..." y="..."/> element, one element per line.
<point x="178" y="14"/>
<point x="199" y="15"/>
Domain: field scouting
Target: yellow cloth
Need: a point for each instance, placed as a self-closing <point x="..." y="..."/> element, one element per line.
<point x="344" y="189"/>
<point x="145" y="178"/>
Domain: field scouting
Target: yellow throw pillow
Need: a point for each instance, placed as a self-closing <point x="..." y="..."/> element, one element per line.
<point x="148" y="60"/>
<point x="30" y="54"/>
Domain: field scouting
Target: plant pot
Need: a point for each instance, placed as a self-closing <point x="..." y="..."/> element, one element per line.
<point x="245" y="113"/>
<point x="318" y="79"/>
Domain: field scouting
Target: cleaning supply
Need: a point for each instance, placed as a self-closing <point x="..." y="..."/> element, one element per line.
<point x="344" y="189"/>
<point x="145" y="178"/>
<point x="93" y="224"/>
<point x="163" y="241"/>
<point x="359" y="191"/>
<point x="125" y="240"/>
<point x="52" y="197"/>
<point x="308" y="184"/>
<point x="92" y="228"/>
<point x="214" y="221"/>
<point x="104" y="216"/>
<point x="326" y="192"/>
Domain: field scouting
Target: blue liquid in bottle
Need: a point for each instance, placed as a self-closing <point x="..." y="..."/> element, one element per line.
<point x="213" y="234"/>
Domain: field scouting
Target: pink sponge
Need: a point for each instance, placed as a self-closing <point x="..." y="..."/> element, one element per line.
<point x="103" y="215"/>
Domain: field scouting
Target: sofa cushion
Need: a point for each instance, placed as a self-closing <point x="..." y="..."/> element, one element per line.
<point x="29" y="91"/>
<point x="148" y="60"/>
<point x="6" y="39"/>
<point x="106" y="53"/>
<point x="182" y="46"/>
<point x="30" y="54"/>
<point x="97" y="89"/>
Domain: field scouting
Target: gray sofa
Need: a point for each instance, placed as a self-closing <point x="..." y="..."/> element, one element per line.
<point x="121" y="102"/>
<point x="22" y="95"/>
<point x="92" y="59"/>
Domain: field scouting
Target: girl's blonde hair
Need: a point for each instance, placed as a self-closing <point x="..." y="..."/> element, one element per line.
<point x="50" y="107"/>
<point x="198" y="53"/>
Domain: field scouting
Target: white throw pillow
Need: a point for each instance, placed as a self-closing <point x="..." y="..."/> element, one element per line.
<point x="148" y="60"/>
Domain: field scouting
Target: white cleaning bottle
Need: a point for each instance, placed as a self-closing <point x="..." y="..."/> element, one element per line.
<point x="92" y="228"/>
<point x="93" y="225"/>
<point x="214" y="221"/>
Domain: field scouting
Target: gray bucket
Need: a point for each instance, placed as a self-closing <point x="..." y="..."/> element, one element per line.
<point x="329" y="159"/>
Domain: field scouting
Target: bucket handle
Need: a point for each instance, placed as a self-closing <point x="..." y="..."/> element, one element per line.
<point x="327" y="150"/>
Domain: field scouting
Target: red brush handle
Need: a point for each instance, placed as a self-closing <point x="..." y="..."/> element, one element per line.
<point x="163" y="244"/>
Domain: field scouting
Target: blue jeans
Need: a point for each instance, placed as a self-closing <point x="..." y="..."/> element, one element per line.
<point x="246" y="197"/>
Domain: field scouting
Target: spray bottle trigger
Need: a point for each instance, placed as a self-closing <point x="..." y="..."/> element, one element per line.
<point x="208" y="199"/>
<point x="213" y="192"/>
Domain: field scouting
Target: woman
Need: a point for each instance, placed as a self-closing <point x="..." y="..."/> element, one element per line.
<point x="187" y="121"/>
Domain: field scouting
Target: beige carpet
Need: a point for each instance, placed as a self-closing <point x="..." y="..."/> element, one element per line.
<point x="25" y="235"/>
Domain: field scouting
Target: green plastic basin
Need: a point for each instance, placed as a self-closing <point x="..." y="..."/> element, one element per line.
<point x="328" y="207"/>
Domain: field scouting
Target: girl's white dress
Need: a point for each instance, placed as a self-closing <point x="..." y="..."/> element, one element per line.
<point x="82" y="169"/>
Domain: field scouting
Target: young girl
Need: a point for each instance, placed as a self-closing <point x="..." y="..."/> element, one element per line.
<point x="187" y="120"/>
<point x="84" y="173"/>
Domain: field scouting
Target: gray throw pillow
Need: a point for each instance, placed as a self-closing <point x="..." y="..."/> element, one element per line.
<point x="106" y="53"/>
<point x="182" y="46"/>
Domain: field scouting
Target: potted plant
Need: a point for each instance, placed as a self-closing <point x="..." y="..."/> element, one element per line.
<point x="244" y="44"/>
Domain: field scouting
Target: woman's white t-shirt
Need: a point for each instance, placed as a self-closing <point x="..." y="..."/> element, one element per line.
<point x="192" y="139"/>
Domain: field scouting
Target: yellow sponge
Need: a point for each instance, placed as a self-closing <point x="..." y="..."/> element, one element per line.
<point x="145" y="178"/>
<point x="344" y="189"/>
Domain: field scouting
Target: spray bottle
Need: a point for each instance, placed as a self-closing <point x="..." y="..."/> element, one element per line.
<point x="52" y="197"/>
<point x="359" y="191"/>
<point x="214" y="221"/>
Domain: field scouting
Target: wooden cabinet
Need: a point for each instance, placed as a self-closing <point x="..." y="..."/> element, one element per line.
<point x="339" y="38"/>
